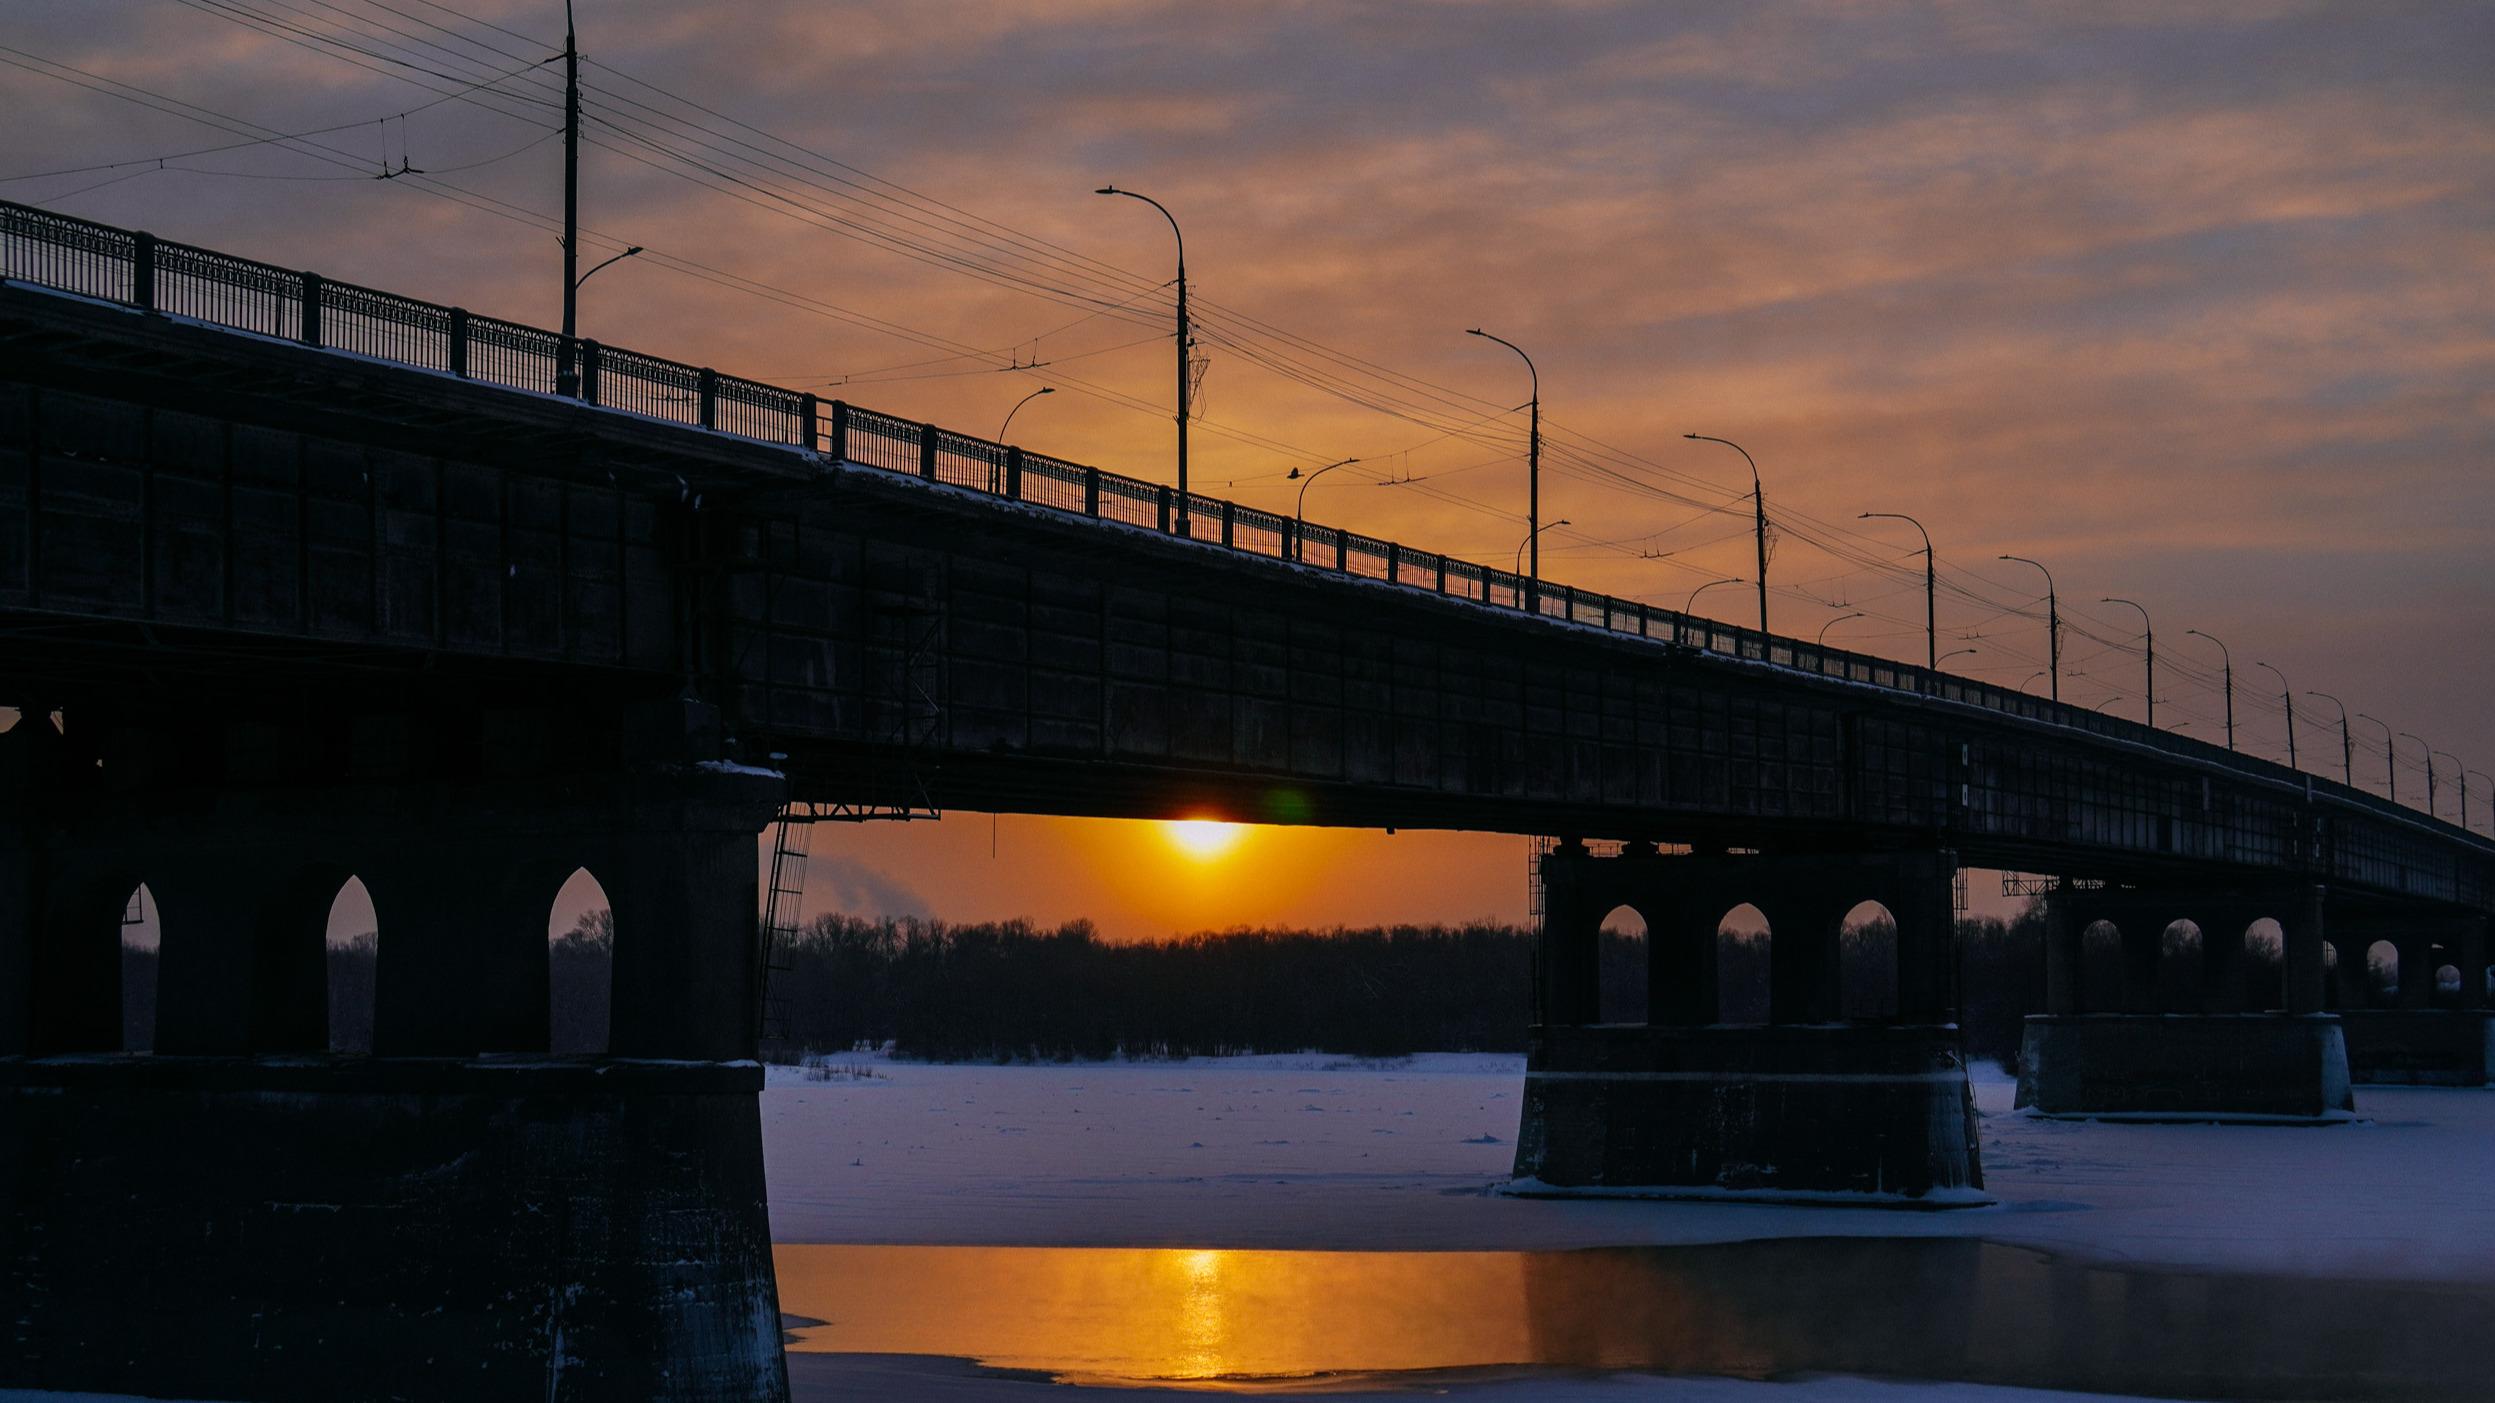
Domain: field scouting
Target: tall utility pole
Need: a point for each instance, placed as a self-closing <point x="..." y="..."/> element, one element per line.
<point x="2229" y="655"/>
<point x="567" y="355"/>
<point x="2053" y="625"/>
<point x="2464" y="784"/>
<point x="2422" y="745"/>
<point x="2390" y="758"/>
<point x="2287" y="696"/>
<point x="1186" y="346"/>
<point x="1533" y="468"/>
<point x="2347" y="744"/>
<point x="2149" y="635"/>
<point x="1758" y="509"/>
<point x="1931" y="618"/>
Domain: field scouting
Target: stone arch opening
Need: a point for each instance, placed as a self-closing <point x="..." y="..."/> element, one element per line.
<point x="2382" y="974"/>
<point x="1867" y="962"/>
<point x="351" y="945"/>
<point x="1623" y="966"/>
<point x="1742" y="941"/>
<point x="2330" y="976"/>
<point x="2447" y="986"/>
<point x="2183" y="976"/>
<point x="2101" y="967"/>
<point x="580" y="966"/>
<point x="2265" y="965"/>
<point x="142" y="941"/>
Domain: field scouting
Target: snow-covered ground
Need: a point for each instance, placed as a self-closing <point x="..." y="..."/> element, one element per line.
<point x="1331" y="1153"/>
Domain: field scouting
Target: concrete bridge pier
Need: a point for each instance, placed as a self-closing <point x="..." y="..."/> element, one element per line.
<point x="2161" y="1035"/>
<point x="1810" y="1106"/>
<point x="2427" y="1031"/>
<point x="243" y="1213"/>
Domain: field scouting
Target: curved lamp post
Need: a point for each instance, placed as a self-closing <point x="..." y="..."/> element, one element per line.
<point x="993" y="469"/>
<point x="1185" y="338"/>
<point x="2148" y="694"/>
<point x="1533" y="460"/>
<point x="1931" y="619"/>
<point x="1832" y="623"/>
<point x="1692" y="605"/>
<point x="1758" y="504"/>
<point x="2227" y="654"/>
<point x="2422" y="745"/>
<point x="2288" y="697"/>
<point x="1017" y="409"/>
<point x="1532" y="538"/>
<point x="2053" y="626"/>
<point x="2390" y="757"/>
<point x="1960" y="653"/>
<point x="1299" y="514"/>
<point x="2347" y="746"/>
<point x="2464" y="784"/>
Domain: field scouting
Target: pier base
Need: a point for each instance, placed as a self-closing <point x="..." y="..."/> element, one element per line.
<point x="326" y="1229"/>
<point x="1864" y="1113"/>
<point x="2148" y="1066"/>
<point x="2421" y="1046"/>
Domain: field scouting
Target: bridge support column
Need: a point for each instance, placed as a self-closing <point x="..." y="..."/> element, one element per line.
<point x="1811" y="1107"/>
<point x="243" y="1215"/>
<point x="2430" y="1038"/>
<point x="2286" y="1060"/>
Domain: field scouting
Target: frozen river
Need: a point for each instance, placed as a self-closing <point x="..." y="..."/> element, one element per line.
<point x="1330" y="1217"/>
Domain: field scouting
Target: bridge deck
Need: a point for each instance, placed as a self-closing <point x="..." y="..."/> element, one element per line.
<point x="365" y="487"/>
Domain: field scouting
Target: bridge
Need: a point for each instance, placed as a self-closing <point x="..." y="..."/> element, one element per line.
<point x="313" y="579"/>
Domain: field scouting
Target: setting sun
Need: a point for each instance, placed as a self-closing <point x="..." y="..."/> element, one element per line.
<point x="1202" y="838"/>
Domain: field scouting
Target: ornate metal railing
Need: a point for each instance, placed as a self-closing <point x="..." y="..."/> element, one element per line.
<point x="67" y="254"/>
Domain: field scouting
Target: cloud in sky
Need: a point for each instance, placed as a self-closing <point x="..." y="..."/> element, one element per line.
<point x="2194" y="301"/>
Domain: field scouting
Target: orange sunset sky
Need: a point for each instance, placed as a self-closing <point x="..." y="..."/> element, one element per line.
<point x="2193" y="302"/>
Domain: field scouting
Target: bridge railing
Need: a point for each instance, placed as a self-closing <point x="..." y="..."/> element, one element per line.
<point x="67" y="254"/>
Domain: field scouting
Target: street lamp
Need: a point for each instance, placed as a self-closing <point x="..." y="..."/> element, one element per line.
<point x="2464" y="784"/>
<point x="567" y="364"/>
<point x="1017" y="409"/>
<point x="2390" y="758"/>
<point x="1758" y="504"/>
<point x="1533" y="457"/>
<point x="1531" y="538"/>
<point x="2288" y="698"/>
<point x="2031" y="678"/>
<point x="2229" y="656"/>
<point x="2149" y="632"/>
<point x="1832" y="623"/>
<point x="2053" y="625"/>
<point x="1299" y="516"/>
<point x="1931" y="625"/>
<point x="2109" y="701"/>
<point x="2421" y="745"/>
<point x="1960" y="653"/>
<point x="1186" y="339"/>
<point x="1692" y="605"/>
<point x="993" y="468"/>
<point x="2347" y="746"/>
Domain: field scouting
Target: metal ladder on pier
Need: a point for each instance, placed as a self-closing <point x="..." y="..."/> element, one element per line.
<point x="783" y="913"/>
